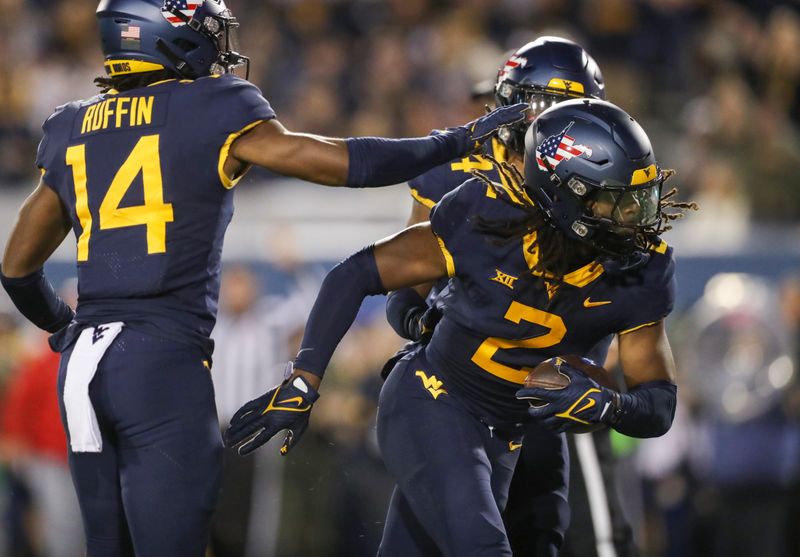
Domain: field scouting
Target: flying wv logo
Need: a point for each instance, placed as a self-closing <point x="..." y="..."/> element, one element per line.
<point x="431" y="384"/>
<point x="559" y="147"/>
<point x="98" y="333"/>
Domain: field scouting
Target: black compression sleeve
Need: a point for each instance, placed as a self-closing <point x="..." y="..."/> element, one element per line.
<point x="336" y="307"/>
<point x="646" y="410"/>
<point x="34" y="297"/>
<point x="377" y="161"/>
<point x="404" y="308"/>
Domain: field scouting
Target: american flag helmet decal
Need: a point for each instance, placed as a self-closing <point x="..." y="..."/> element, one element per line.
<point x="186" y="7"/>
<point x="559" y="147"/>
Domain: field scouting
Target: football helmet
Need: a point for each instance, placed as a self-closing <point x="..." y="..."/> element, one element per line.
<point x="193" y="38"/>
<point x="543" y="73"/>
<point x="590" y="167"/>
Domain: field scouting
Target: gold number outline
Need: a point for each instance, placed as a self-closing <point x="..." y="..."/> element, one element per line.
<point x="517" y="313"/>
<point x="144" y="158"/>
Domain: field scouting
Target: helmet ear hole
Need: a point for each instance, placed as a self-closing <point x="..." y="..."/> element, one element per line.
<point x="185" y="45"/>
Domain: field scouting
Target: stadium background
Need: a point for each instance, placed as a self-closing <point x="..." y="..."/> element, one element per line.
<point x="715" y="83"/>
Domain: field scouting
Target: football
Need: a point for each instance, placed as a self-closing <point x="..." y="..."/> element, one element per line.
<point x="548" y="375"/>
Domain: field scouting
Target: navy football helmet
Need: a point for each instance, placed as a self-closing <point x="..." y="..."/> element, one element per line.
<point x="544" y="72"/>
<point x="591" y="169"/>
<point x="193" y="38"/>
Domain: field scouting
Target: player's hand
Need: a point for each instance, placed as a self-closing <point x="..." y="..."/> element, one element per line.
<point x="426" y="323"/>
<point x="478" y="131"/>
<point x="580" y="403"/>
<point x="285" y="406"/>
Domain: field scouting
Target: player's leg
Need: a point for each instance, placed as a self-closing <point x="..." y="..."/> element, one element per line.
<point x="437" y="453"/>
<point x="169" y="444"/>
<point x="537" y="513"/>
<point x="96" y="480"/>
<point x="403" y="534"/>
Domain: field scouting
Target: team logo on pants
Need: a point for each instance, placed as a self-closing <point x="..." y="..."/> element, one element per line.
<point x="431" y="384"/>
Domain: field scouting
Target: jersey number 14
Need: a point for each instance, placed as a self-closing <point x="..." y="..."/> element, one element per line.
<point x="154" y="214"/>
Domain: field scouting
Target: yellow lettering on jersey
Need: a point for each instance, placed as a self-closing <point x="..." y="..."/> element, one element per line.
<point x="134" y="106"/>
<point x="467" y="165"/>
<point x="108" y="110"/>
<point x="87" y="119"/>
<point x="121" y="110"/>
<point x="144" y="114"/>
<point x="97" y="119"/>
<point x="431" y="384"/>
<point x="118" y="112"/>
<point x="504" y="279"/>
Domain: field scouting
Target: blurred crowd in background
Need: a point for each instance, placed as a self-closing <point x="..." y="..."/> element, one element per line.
<point x="717" y="86"/>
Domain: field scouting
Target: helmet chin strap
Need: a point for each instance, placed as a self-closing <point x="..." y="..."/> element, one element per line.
<point x="180" y="65"/>
<point x="629" y="262"/>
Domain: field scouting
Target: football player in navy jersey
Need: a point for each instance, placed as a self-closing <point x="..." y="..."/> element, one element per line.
<point x="543" y="72"/>
<point x="143" y="176"/>
<point x="559" y="263"/>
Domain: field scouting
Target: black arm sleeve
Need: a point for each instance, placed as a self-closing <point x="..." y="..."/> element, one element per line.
<point x="646" y="410"/>
<point x="377" y="161"/>
<point x="336" y="307"/>
<point x="37" y="301"/>
<point x="404" y="308"/>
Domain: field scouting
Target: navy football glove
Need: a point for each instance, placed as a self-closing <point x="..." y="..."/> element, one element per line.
<point x="478" y="131"/>
<point x="285" y="406"/>
<point x="580" y="403"/>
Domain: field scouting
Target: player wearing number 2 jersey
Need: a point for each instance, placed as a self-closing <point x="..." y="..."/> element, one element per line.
<point x="557" y="264"/>
<point x="143" y="174"/>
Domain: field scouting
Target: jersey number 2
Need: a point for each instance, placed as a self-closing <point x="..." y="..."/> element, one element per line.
<point x="154" y="214"/>
<point x="518" y="313"/>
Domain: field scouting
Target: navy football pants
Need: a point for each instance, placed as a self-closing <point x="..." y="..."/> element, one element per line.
<point x="537" y="513"/>
<point x="452" y="472"/>
<point x="153" y="488"/>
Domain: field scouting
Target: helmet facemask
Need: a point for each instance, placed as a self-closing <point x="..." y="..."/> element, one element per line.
<point x="221" y="29"/>
<point x="619" y="220"/>
<point x="507" y="93"/>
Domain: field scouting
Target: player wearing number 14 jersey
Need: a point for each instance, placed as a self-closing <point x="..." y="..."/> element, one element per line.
<point x="143" y="174"/>
<point x="557" y="263"/>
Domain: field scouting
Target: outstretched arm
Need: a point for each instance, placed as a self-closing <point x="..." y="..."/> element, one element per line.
<point x="41" y="226"/>
<point x="359" y="161"/>
<point x="411" y="257"/>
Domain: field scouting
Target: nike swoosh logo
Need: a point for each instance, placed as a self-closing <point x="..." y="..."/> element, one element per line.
<point x="297" y="400"/>
<point x="588" y="303"/>
<point x="513" y="446"/>
<point x="589" y="403"/>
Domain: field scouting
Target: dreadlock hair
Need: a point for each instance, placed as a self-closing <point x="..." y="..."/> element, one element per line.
<point x="558" y="254"/>
<point x="674" y="206"/>
<point x="133" y="81"/>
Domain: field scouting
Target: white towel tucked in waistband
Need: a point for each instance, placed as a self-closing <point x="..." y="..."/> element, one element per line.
<point x="84" y="432"/>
